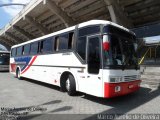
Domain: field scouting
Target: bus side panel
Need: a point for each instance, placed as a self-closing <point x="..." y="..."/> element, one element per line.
<point x="48" y="68"/>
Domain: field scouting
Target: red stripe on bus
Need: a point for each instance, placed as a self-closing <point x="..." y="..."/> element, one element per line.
<point x="29" y="65"/>
<point x="13" y="67"/>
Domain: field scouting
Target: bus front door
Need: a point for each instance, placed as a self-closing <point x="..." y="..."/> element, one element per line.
<point x="94" y="71"/>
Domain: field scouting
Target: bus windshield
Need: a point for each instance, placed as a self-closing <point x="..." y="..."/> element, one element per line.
<point x="122" y="52"/>
<point x="4" y="58"/>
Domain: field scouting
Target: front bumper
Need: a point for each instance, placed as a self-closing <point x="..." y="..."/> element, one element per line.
<point x="110" y="89"/>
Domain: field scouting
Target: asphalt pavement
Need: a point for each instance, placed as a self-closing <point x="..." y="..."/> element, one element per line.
<point x="29" y="99"/>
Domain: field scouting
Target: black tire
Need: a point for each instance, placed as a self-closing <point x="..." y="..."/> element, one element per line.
<point x="18" y="74"/>
<point x="72" y="87"/>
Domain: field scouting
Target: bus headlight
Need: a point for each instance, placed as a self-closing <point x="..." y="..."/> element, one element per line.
<point x="116" y="79"/>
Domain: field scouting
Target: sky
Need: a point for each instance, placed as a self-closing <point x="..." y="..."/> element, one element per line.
<point x="9" y="12"/>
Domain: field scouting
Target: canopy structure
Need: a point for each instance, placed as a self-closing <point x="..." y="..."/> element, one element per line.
<point x="41" y="17"/>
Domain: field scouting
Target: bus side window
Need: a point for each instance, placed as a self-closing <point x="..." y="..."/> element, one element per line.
<point x="19" y="51"/>
<point x="38" y="50"/>
<point x="22" y="50"/>
<point x="56" y="45"/>
<point x="81" y="47"/>
<point x="26" y="49"/>
<point x="48" y="45"/>
<point x="13" y="52"/>
<point x="41" y="46"/>
<point x="34" y="48"/>
<point x="63" y="41"/>
<point x="88" y="30"/>
<point x="71" y="40"/>
<point x="53" y="44"/>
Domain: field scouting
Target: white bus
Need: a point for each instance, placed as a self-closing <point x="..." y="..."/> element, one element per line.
<point x="4" y="60"/>
<point x="96" y="57"/>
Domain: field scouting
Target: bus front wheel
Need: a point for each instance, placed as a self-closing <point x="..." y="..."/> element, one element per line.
<point x="70" y="85"/>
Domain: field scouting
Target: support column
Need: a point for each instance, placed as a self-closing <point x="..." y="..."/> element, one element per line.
<point x="117" y="14"/>
<point x="67" y="20"/>
<point x="37" y="25"/>
<point x="23" y="32"/>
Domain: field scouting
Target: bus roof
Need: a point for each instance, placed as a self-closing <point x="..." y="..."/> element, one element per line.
<point x="91" y="22"/>
<point x="95" y="22"/>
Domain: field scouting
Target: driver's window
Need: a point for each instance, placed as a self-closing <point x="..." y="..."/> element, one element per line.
<point x="116" y="51"/>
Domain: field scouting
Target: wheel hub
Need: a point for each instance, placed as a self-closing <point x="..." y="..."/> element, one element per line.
<point x="68" y="85"/>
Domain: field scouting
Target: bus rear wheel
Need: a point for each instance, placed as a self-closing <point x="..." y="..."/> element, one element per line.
<point x="18" y="74"/>
<point x="70" y="85"/>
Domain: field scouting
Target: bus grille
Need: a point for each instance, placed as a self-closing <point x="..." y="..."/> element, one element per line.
<point x="130" y="78"/>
